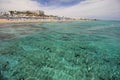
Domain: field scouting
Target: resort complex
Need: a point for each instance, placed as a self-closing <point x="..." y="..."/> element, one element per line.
<point x="33" y="16"/>
<point x="30" y="15"/>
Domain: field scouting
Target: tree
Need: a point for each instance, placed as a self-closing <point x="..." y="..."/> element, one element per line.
<point x="11" y="13"/>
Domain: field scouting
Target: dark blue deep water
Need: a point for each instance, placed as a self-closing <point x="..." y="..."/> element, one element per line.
<point x="76" y="50"/>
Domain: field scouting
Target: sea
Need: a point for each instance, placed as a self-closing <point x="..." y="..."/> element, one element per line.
<point x="71" y="50"/>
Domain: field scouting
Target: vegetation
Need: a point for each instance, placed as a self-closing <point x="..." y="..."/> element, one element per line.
<point x="11" y="13"/>
<point x="26" y="13"/>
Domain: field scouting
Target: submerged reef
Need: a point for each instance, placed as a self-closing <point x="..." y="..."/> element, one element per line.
<point x="52" y="55"/>
<point x="6" y="36"/>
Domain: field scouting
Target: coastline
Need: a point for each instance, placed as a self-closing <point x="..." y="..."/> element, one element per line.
<point x="30" y="20"/>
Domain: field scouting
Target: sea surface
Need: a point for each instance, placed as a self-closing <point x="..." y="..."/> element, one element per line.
<point x="75" y="50"/>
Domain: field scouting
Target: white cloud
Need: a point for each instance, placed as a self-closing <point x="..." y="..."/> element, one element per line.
<point x="18" y="5"/>
<point x="102" y="9"/>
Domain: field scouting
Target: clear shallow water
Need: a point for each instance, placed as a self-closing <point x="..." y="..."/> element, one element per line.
<point x="81" y="50"/>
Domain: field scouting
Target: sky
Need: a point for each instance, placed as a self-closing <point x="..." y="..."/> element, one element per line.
<point x="99" y="9"/>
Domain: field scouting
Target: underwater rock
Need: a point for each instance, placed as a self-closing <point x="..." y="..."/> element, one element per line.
<point x="31" y="78"/>
<point x="5" y="66"/>
<point x="65" y="38"/>
<point x="109" y="78"/>
<point x="2" y="77"/>
<point x="4" y="36"/>
<point x="47" y="49"/>
<point x="77" y="54"/>
<point x="11" y="49"/>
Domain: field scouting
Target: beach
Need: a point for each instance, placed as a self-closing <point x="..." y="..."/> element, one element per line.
<point x="29" y="20"/>
<point x="16" y="21"/>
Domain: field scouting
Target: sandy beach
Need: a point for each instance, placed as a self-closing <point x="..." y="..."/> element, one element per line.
<point x="16" y="21"/>
<point x="21" y="21"/>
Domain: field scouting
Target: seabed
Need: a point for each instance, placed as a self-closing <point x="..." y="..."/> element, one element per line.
<point x="76" y="50"/>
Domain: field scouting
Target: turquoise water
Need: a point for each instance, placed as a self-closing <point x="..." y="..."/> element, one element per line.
<point x="76" y="50"/>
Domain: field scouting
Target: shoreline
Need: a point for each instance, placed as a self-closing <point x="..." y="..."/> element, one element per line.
<point x="25" y="21"/>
